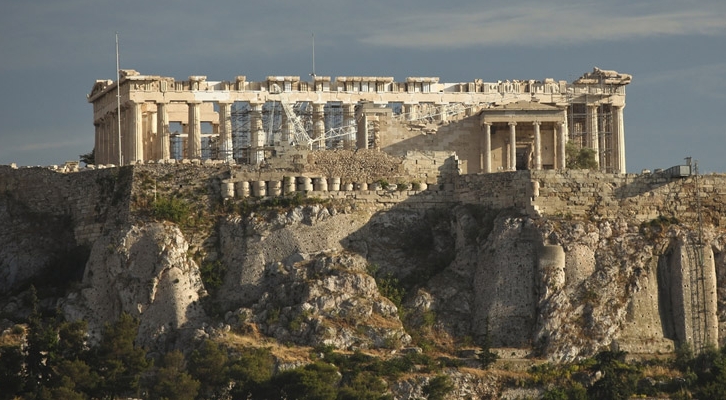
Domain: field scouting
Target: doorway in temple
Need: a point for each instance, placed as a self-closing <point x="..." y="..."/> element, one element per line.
<point x="524" y="154"/>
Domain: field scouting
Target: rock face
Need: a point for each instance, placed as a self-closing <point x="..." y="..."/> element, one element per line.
<point x="328" y="300"/>
<point x="551" y="286"/>
<point x="251" y="246"/>
<point x="144" y="271"/>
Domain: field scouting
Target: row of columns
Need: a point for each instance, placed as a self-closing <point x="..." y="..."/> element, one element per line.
<point x="290" y="185"/>
<point x="561" y="141"/>
<point x="131" y="148"/>
<point x="597" y="142"/>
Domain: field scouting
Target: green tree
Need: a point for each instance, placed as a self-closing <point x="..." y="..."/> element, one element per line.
<point x="438" y="387"/>
<point x="89" y="158"/>
<point x="364" y="386"/>
<point x="75" y="376"/>
<point x="12" y="377"/>
<point x="251" y="372"/>
<point x="486" y="357"/>
<point x="41" y="349"/>
<point x="618" y="380"/>
<point x="120" y="361"/>
<point x="209" y="364"/>
<point x="579" y="158"/>
<point x="316" y="381"/>
<point x="171" y="380"/>
<point x="72" y="341"/>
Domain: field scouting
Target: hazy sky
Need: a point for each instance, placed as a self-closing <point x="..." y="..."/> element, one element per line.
<point x="52" y="51"/>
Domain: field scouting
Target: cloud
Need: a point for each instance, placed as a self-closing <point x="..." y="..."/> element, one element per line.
<point x="706" y="80"/>
<point x="540" y="23"/>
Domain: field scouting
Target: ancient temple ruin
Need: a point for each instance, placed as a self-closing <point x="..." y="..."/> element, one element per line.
<point x="491" y="126"/>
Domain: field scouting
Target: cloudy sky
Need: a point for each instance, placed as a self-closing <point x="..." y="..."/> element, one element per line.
<point x="52" y="51"/>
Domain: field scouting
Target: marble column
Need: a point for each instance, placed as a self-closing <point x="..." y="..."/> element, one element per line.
<point x="443" y="110"/>
<point x="103" y="156"/>
<point x="561" y="144"/>
<point x="125" y="136"/>
<point x="487" y="148"/>
<point x="194" y="139"/>
<point x="591" y="117"/>
<point x="619" y="136"/>
<point x="537" y="146"/>
<point x="257" y="134"/>
<point x="226" y="152"/>
<point x="162" y="130"/>
<point x="362" y="133"/>
<point x="349" y="123"/>
<point x="118" y="146"/>
<point x="110" y="152"/>
<point x="512" y="146"/>
<point x="409" y="109"/>
<point x="287" y="129"/>
<point x="151" y="144"/>
<point x="319" y="125"/>
<point x="100" y="147"/>
<point x="593" y="130"/>
<point x="113" y="155"/>
<point x="98" y="137"/>
<point x="136" y="133"/>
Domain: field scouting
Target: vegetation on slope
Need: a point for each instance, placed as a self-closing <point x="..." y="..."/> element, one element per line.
<point x="57" y="362"/>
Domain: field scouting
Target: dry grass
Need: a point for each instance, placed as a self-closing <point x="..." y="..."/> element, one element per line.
<point x="661" y="372"/>
<point x="282" y="352"/>
<point x="13" y="336"/>
<point x="379" y="321"/>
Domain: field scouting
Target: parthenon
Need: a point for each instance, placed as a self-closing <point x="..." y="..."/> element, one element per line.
<point x="491" y="126"/>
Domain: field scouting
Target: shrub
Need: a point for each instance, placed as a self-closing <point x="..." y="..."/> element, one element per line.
<point x="388" y="286"/>
<point x="438" y="387"/>
<point x="318" y="381"/>
<point x="171" y="209"/>
<point x="583" y="158"/>
<point x="212" y="275"/>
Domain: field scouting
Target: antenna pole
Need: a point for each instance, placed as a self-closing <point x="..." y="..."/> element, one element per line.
<point x="313" y="74"/>
<point x="118" y="103"/>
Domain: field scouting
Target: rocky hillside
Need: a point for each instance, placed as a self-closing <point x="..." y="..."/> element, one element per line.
<point x="305" y="272"/>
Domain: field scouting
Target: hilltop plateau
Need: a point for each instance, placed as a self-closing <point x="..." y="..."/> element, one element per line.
<point x="404" y="282"/>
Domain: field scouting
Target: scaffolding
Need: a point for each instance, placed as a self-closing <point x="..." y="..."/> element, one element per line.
<point x="584" y="128"/>
<point x="300" y="114"/>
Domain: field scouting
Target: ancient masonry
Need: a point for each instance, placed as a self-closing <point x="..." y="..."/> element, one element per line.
<point x="497" y="126"/>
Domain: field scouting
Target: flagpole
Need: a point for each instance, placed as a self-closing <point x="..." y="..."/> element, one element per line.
<point x="118" y="103"/>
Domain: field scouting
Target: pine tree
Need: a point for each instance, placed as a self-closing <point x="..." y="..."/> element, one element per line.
<point x="120" y="361"/>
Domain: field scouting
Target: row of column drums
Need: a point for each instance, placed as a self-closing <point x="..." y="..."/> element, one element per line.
<point x="301" y="184"/>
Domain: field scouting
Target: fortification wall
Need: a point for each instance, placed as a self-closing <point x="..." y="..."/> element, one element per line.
<point x="85" y="197"/>
<point x="585" y="194"/>
<point x="422" y="178"/>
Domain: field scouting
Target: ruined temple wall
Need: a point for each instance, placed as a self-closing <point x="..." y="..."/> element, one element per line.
<point x="461" y="136"/>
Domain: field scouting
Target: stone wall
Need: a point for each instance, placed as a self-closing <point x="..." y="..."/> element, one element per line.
<point x="585" y="194"/>
<point x="423" y="177"/>
<point x="86" y="197"/>
<point x="461" y="136"/>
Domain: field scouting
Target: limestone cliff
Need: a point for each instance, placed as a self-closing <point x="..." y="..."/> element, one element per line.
<point x="144" y="271"/>
<point x="311" y="271"/>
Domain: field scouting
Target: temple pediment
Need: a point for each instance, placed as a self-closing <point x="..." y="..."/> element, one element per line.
<point x="99" y="86"/>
